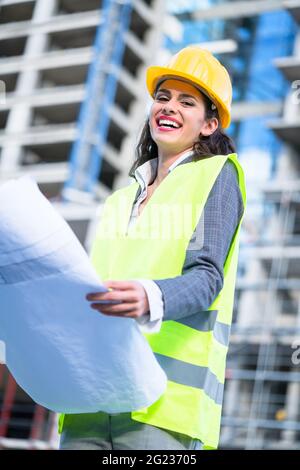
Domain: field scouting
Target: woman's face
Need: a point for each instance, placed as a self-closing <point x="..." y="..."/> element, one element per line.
<point x="177" y="116"/>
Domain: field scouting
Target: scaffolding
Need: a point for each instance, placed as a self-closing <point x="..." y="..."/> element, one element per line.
<point x="261" y="409"/>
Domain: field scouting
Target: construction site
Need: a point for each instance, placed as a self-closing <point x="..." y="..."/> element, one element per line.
<point x="56" y="79"/>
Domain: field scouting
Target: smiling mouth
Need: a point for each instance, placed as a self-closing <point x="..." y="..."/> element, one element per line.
<point x="167" y="125"/>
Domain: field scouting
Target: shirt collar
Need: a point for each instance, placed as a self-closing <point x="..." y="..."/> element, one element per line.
<point x="146" y="172"/>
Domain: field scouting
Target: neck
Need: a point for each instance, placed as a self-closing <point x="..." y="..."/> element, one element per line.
<point x="165" y="160"/>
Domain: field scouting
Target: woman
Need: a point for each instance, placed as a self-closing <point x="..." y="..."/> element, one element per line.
<point x="170" y="258"/>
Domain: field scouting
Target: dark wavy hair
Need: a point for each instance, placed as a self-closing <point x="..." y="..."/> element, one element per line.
<point x="218" y="143"/>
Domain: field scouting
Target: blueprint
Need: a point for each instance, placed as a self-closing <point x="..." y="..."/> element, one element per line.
<point x="65" y="355"/>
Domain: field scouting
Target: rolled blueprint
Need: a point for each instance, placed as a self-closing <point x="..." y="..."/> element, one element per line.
<point x="65" y="355"/>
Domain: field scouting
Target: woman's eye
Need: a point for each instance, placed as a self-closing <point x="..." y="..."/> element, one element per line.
<point x="161" y="97"/>
<point x="188" y="103"/>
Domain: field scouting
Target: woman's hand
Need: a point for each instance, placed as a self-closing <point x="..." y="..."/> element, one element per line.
<point x="132" y="294"/>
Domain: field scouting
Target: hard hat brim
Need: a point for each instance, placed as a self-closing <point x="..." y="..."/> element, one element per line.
<point x="155" y="74"/>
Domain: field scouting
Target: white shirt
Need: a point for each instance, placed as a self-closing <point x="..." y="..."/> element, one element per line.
<point x="145" y="175"/>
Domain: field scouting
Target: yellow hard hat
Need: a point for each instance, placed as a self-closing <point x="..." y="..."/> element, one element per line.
<point x="200" y="67"/>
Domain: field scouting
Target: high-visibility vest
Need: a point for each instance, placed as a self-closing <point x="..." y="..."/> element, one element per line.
<point x="192" y="350"/>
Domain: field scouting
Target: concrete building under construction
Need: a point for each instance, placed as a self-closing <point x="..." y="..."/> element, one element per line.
<point x="57" y="77"/>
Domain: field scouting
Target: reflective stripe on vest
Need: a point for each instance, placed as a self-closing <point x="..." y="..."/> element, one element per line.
<point x="207" y="321"/>
<point x="193" y="376"/>
<point x="192" y="350"/>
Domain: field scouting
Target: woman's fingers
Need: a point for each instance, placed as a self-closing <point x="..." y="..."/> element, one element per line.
<point x="127" y="296"/>
<point x="118" y="310"/>
<point x="120" y="285"/>
<point x="122" y="290"/>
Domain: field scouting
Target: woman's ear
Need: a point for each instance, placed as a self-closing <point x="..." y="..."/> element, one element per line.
<point x="209" y="127"/>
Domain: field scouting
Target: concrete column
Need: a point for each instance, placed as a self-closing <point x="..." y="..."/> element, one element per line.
<point x="231" y="401"/>
<point x="252" y="302"/>
<point x="292" y="410"/>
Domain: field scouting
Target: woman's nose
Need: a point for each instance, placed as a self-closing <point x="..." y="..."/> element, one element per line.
<point x="170" y="106"/>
